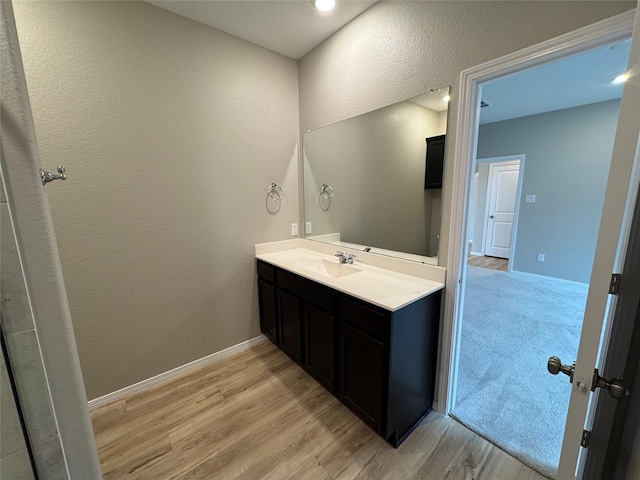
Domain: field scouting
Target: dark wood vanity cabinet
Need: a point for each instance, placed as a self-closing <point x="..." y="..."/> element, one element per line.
<point x="380" y="364"/>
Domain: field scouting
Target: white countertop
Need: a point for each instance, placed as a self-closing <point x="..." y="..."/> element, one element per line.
<point x="386" y="282"/>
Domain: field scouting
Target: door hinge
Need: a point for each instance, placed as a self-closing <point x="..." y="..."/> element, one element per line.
<point x="614" y="287"/>
<point x="586" y="438"/>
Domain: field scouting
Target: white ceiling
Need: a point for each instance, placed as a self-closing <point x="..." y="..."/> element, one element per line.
<point x="294" y="27"/>
<point x="290" y="27"/>
<point x="570" y="82"/>
<point x="434" y="100"/>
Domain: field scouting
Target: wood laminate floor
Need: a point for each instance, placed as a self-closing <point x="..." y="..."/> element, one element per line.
<point x="494" y="263"/>
<point x="257" y="415"/>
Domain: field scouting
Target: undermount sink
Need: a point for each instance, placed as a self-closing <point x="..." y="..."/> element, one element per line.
<point x="328" y="268"/>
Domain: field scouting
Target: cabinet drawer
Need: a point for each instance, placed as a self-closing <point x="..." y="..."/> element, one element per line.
<point x="320" y="296"/>
<point x="266" y="271"/>
<point x="372" y="321"/>
<point x="291" y="283"/>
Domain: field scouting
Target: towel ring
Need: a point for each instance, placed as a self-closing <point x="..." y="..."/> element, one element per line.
<point x="275" y="191"/>
<point x="326" y="191"/>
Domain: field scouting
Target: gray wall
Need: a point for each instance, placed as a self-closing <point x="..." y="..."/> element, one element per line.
<point x="375" y="164"/>
<point x="568" y="153"/>
<point x="397" y="50"/>
<point x="171" y="133"/>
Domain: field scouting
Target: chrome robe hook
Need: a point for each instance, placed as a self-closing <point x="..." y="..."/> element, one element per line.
<point x="47" y="177"/>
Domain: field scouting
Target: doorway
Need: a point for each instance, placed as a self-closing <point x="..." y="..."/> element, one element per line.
<point x="514" y="321"/>
<point x="494" y="207"/>
<point x="523" y="317"/>
<point x="457" y="272"/>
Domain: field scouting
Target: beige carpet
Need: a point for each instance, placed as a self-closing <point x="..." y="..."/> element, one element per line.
<point x="512" y="323"/>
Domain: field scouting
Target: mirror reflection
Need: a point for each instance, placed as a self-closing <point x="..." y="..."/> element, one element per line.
<point x="373" y="182"/>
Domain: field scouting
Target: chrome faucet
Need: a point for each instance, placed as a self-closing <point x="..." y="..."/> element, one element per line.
<point x="345" y="257"/>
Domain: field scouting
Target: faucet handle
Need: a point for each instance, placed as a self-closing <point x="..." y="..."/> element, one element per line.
<point x="350" y="258"/>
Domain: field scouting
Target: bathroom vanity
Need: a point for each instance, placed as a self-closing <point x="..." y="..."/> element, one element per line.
<point x="367" y="333"/>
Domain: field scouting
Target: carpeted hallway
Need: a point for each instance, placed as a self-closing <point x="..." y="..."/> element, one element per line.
<point x="512" y="323"/>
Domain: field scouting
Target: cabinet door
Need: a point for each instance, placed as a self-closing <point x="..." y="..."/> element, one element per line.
<point x="320" y="346"/>
<point x="268" y="313"/>
<point x="289" y="310"/>
<point x="362" y="372"/>
<point x="435" y="162"/>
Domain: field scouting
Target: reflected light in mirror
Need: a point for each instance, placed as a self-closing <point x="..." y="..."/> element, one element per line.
<point x="375" y="164"/>
<point x="620" y="79"/>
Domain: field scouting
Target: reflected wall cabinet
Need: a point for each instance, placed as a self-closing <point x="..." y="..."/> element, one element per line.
<point x="435" y="162"/>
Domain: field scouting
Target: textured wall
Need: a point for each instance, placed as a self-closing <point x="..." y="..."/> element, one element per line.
<point x="375" y="164"/>
<point x="568" y="153"/>
<point x="397" y="50"/>
<point x="171" y="132"/>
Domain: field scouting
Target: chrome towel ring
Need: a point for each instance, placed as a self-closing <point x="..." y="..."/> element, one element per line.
<point x="326" y="191"/>
<point x="275" y="191"/>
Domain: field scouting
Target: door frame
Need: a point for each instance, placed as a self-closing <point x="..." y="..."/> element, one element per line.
<point x="607" y="31"/>
<point x="505" y="160"/>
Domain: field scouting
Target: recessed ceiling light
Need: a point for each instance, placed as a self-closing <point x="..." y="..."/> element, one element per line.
<point x="620" y="79"/>
<point x="324" y="5"/>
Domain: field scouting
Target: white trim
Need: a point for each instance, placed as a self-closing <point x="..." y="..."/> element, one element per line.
<point x="606" y="31"/>
<point x="563" y="280"/>
<point x="181" y="370"/>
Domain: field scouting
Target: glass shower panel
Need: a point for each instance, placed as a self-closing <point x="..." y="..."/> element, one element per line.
<point x="30" y="445"/>
<point x="15" y="459"/>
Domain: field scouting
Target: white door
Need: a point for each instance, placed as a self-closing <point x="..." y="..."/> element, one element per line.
<point x="502" y="193"/>
<point x="619" y="198"/>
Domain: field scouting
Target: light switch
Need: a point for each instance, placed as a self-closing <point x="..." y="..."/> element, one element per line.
<point x="530" y="199"/>
<point x="541" y="257"/>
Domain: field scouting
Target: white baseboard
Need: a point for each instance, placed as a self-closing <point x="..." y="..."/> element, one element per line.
<point x="563" y="280"/>
<point x="181" y="370"/>
<point x="477" y="254"/>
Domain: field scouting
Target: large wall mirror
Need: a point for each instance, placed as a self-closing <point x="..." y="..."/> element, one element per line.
<point x="364" y="179"/>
